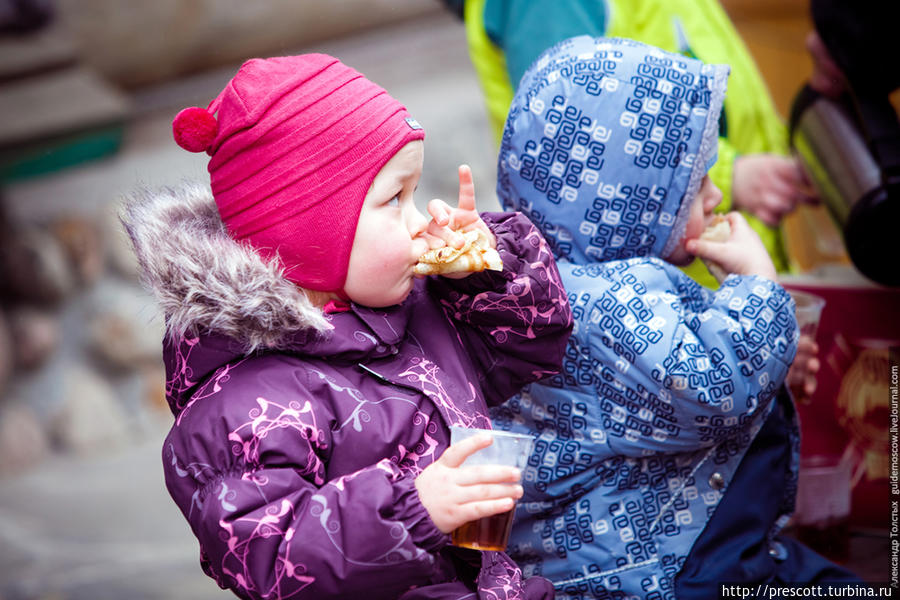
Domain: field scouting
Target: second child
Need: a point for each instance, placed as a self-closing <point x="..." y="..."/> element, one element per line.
<point x="312" y="376"/>
<point x="667" y="454"/>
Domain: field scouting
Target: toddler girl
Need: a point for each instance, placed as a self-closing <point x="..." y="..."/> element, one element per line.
<point x="312" y="376"/>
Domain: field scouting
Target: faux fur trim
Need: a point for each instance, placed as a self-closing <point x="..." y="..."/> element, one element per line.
<point x="204" y="280"/>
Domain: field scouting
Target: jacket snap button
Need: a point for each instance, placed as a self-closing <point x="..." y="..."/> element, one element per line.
<point x="778" y="551"/>
<point x="716" y="481"/>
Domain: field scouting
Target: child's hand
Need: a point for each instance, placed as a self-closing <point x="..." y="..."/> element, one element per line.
<point x="743" y="253"/>
<point x="454" y="495"/>
<point x="801" y="377"/>
<point x="446" y="221"/>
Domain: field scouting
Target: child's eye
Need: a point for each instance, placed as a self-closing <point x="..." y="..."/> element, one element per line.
<point x="395" y="201"/>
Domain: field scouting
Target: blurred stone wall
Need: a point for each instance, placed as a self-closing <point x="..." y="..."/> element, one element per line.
<point x="80" y="364"/>
<point x="138" y="42"/>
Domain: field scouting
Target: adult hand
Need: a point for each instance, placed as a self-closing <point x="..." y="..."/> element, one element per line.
<point x="769" y="186"/>
<point x="742" y="253"/>
<point x="454" y="495"/>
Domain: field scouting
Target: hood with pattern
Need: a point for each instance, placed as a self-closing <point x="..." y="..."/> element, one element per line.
<point x="606" y="143"/>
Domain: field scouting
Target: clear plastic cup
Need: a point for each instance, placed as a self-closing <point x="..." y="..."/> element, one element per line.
<point x="510" y="449"/>
<point x="808" y="311"/>
<point x="822" y="515"/>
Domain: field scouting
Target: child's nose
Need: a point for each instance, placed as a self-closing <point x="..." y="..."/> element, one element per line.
<point x="416" y="222"/>
<point x="713" y="197"/>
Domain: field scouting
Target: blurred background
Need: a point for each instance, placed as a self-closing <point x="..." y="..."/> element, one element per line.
<point x="88" y="89"/>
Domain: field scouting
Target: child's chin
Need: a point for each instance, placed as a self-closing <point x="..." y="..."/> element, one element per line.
<point x="401" y="297"/>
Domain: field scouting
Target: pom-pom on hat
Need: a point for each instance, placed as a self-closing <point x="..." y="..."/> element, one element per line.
<point x="295" y="143"/>
<point x="194" y="129"/>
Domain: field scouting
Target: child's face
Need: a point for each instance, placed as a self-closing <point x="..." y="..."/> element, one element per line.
<point x="705" y="202"/>
<point x="389" y="235"/>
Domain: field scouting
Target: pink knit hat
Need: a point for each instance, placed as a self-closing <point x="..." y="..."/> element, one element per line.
<point x="295" y="142"/>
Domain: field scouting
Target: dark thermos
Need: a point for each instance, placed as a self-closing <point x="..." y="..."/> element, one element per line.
<point x="849" y="146"/>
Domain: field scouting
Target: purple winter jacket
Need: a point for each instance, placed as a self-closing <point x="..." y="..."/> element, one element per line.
<point x="294" y="463"/>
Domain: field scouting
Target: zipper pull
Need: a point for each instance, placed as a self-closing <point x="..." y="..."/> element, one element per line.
<point x="374" y="374"/>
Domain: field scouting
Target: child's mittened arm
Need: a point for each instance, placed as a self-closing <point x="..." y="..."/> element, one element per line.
<point x="262" y="499"/>
<point x="751" y="325"/>
<point x="700" y="366"/>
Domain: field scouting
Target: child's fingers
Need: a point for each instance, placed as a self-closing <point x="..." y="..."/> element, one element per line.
<point x="806" y="341"/>
<point x="466" y="189"/>
<point x="456" y="454"/>
<point x="736" y="220"/>
<point x="477" y="474"/>
<point x="466" y="215"/>
<point x="810" y="385"/>
<point x="479" y="493"/>
<point x="440" y="212"/>
<point x="444" y="223"/>
<point x="714" y="251"/>
<point x="743" y="237"/>
<point x="813" y="365"/>
<point x="433" y="240"/>
<point x="743" y="253"/>
<point x="473" y="511"/>
<point x="807" y="345"/>
<point x="447" y="236"/>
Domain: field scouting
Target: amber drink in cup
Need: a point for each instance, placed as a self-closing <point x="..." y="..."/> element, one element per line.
<point x="510" y="449"/>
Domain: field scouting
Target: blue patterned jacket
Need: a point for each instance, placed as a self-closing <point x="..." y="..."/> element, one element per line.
<point x="665" y="383"/>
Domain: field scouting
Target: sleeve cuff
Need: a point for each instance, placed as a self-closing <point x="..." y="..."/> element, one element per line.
<point x="409" y="510"/>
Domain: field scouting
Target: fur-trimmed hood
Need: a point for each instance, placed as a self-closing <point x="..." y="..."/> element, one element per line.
<point x="206" y="281"/>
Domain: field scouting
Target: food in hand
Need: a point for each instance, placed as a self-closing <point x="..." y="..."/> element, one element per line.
<point x="718" y="230"/>
<point x="475" y="255"/>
